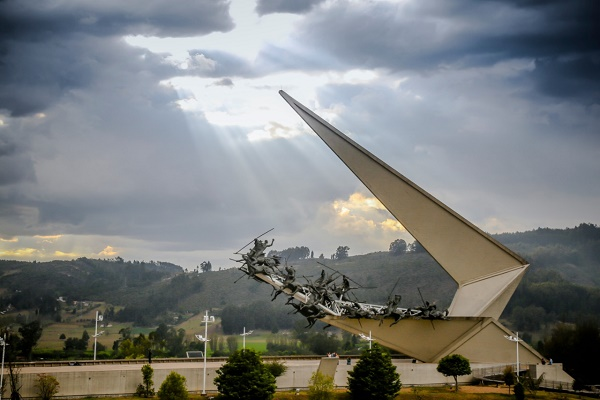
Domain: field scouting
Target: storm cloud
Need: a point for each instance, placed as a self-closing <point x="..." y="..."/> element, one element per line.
<point x="155" y="128"/>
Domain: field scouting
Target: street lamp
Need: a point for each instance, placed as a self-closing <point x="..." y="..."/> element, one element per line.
<point x="96" y="334"/>
<point x="204" y="339"/>
<point x="243" y="335"/>
<point x="3" y="344"/>
<point x="516" y="340"/>
<point x="369" y="338"/>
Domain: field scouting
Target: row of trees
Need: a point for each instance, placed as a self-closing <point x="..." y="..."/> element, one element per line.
<point x="246" y="377"/>
<point x="374" y="377"/>
<point x="578" y="348"/>
<point x="22" y="342"/>
<point x="165" y="341"/>
<point x="258" y="315"/>
<point x="399" y="247"/>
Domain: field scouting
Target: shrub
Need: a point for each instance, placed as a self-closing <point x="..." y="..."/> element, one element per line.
<point x="519" y="391"/>
<point x="320" y="387"/>
<point x="46" y="386"/>
<point x="276" y="368"/>
<point x="173" y="388"/>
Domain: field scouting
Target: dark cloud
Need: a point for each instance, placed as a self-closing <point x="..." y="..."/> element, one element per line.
<point x="429" y="37"/>
<point x="576" y="78"/>
<point x="93" y="142"/>
<point x="264" y="7"/>
<point x="224" y="82"/>
<point x="107" y="131"/>
<point x="48" y="49"/>
<point x="37" y="21"/>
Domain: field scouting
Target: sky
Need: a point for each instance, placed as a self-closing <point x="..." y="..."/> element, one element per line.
<point x="154" y="130"/>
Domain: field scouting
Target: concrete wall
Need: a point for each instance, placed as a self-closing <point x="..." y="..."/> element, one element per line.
<point x="119" y="379"/>
<point x="552" y="372"/>
<point x="102" y="380"/>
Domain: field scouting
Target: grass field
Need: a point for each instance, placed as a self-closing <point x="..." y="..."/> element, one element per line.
<point x="73" y="325"/>
<point x="421" y="393"/>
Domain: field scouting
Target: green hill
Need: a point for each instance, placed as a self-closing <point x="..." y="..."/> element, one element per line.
<point x="562" y="283"/>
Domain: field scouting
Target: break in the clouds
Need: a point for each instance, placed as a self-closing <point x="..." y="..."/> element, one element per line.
<point x="153" y="130"/>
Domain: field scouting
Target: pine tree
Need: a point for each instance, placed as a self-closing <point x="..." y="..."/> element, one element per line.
<point x="374" y="376"/>
<point x="245" y="377"/>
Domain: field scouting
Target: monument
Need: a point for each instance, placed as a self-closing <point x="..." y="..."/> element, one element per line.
<point x="487" y="273"/>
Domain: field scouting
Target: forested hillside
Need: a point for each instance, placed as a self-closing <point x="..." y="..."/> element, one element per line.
<point x="573" y="253"/>
<point x="45" y="286"/>
<point x="562" y="283"/>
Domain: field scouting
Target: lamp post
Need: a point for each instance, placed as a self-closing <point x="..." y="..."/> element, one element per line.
<point x="3" y="344"/>
<point x="516" y="340"/>
<point x="243" y="335"/>
<point x="204" y="339"/>
<point x="99" y="317"/>
<point x="369" y="338"/>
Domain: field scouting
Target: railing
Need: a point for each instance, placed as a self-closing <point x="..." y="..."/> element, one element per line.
<point x="60" y="363"/>
<point x="494" y="374"/>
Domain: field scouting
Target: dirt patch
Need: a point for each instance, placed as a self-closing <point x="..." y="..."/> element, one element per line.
<point x="484" y="389"/>
<point x="475" y="389"/>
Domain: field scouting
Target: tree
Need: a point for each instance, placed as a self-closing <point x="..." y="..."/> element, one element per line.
<point x="72" y="344"/>
<point x="245" y="377"/>
<point x="320" y="386"/>
<point x="398" y="247"/>
<point x="14" y="374"/>
<point x="454" y="365"/>
<point x="341" y="252"/>
<point x="519" y="391"/>
<point x="46" y="386"/>
<point x="30" y="334"/>
<point x="173" y="388"/>
<point x="374" y="376"/>
<point x="416" y="247"/>
<point x="206" y="266"/>
<point x="85" y="338"/>
<point x="232" y="343"/>
<point x="147" y="381"/>
<point x="578" y="348"/>
<point x="508" y="376"/>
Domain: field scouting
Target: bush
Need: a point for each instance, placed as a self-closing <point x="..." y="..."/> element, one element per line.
<point x="46" y="386"/>
<point x="276" y="368"/>
<point x="320" y="387"/>
<point x="173" y="388"/>
<point x="519" y="391"/>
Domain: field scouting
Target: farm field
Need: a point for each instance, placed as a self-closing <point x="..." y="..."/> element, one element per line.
<point x="73" y="325"/>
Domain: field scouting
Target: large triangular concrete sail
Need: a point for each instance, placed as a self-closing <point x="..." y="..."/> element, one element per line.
<point x="487" y="273"/>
